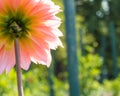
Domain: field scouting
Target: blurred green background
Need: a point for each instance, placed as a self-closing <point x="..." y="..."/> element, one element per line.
<point x="98" y="47"/>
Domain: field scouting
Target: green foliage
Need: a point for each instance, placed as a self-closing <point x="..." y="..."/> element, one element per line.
<point x="34" y="82"/>
<point x="112" y="86"/>
<point x="7" y="82"/>
<point x="61" y="87"/>
<point x="96" y="25"/>
<point x="90" y="71"/>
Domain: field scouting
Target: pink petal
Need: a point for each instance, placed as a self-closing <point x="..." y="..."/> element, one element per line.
<point x="2" y="60"/>
<point x="7" y="60"/>
<point x="10" y="55"/>
<point x="37" y="53"/>
<point x="24" y="58"/>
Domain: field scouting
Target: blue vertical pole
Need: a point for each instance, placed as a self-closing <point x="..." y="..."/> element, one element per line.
<point x="114" y="48"/>
<point x="51" y="75"/>
<point x="50" y="81"/>
<point x="71" y="47"/>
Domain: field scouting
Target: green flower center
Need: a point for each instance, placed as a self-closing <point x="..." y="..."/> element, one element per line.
<point x="14" y="24"/>
<point x="16" y="28"/>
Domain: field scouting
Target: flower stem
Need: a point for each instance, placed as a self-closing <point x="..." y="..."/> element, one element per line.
<point x="18" y="69"/>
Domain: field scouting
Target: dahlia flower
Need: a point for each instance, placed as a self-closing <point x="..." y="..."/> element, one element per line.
<point x="34" y="24"/>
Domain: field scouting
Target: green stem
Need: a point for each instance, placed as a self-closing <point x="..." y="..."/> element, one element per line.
<point x="18" y="69"/>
